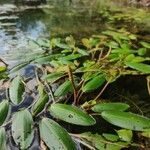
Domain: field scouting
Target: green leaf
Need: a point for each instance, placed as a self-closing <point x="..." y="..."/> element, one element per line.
<point x="110" y="106"/>
<point x="18" y="67"/>
<point x="41" y="102"/>
<point x="94" y="83"/>
<point x="142" y="51"/>
<point x="146" y="133"/>
<point x="125" y="135"/>
<point x="46" y="59"/>
<point x="4" y="108"/>
<point x="127" y="120"/>
<point x="22" y="129"/>
<point x="16" y="90"/>
<point x="2" y="139"/>
<point x="71" y="114"/>
<point x="51" y="78"/>
<point x="54" y="136"/>
<point x="63" y="89"/>
<point x="2" y="68"/>
<point x="101" y="143"/>
<point x="110" y="137"/>
<point x="144" y="68"/>
<point x="145" y="44"/>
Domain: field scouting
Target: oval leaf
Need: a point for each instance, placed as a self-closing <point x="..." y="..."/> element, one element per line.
<point x="4" y="108"/>
<point x="94" y="83"/>
<point x="16" y="90"/>
<point x="41" y="102"/>
<point x="125" y="135"/>
<point x="63" y="89"/>
<point x="22" y="128"/>
<point x="53" y="77"/>
<point x="127" y="120"/>
<point x="71" y="114"/>
<point x="2" y="139"/>
<point x="110" y="106"/>
<point x="55" y="136"/>
<point x="139" y="66"/>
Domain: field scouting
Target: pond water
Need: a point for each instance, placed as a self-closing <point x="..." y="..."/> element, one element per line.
<point x="19" y="23"/>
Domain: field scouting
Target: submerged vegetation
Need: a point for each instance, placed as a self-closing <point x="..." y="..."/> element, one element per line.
<point x="68" y="100"/>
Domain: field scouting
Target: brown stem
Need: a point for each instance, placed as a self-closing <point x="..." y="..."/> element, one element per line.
<point x="101" y="91"/>
<point x="70" y="74"/>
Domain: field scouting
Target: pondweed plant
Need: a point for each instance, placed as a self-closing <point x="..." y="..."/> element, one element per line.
<point x="71" y="77"/>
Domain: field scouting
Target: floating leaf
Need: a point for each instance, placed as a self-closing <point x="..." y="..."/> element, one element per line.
<point x="4" y="108"/>
<point x="100" y="143"/>
<point x="139" y="66"/>
<point x="55" y="136"/>
<point x="125" y="135"/>
<point x="71" y="114"/>
<point x="94" y="83"/>
<point x="16" y="90"/>
<point x="2" y="139"/>
<point x="51" y="78"/>
<point x="41" y="102"/>
<point x="63" y="89"/>
<point x="126" y="120"/>
<point x="110" y="106"/>
<point x="22" y="129"/>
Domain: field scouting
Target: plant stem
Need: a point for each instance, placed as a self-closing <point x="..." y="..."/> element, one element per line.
<point x="70" y="74"/>
<point x="101" y="91"/>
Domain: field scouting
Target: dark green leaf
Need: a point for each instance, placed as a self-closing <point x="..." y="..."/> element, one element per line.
<point x="63" y="89"/>
<point x="22" y="128"/>
<point x="4" y="108"/>
<point x="71" y="114"/>
<point x="41" y="102"/>
<point x="94" y="83"/>
<point x="55" y="136"/>
<point x="2" y="139"/>
<point x="110" y="106"/>
<point x="16" y="90"/>
<point x="126" y="120"/>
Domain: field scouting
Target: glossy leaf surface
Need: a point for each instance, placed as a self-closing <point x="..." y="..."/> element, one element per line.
<point x="54" y="136"/>
<point x="71" y="114"/>
<point x="110" y="106"/>
<point x="127" y="120"/>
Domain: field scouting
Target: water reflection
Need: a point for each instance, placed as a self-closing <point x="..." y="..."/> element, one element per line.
<point x="18" y="23"/>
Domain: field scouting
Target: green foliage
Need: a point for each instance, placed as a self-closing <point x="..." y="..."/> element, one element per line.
<point x="67" y="81"/>
<point x="2" y="139"/>
<point x="110" y="106"/>
<point x="4" y="108"/>
<point x="71" y="114"/>
<point x="22" y="128"/>
<point x="127" y="120"/>
<point x="16" y="90"/>
<point x="55" y="136"/>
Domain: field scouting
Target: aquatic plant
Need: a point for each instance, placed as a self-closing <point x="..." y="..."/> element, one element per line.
<point x="71" y="77"/>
